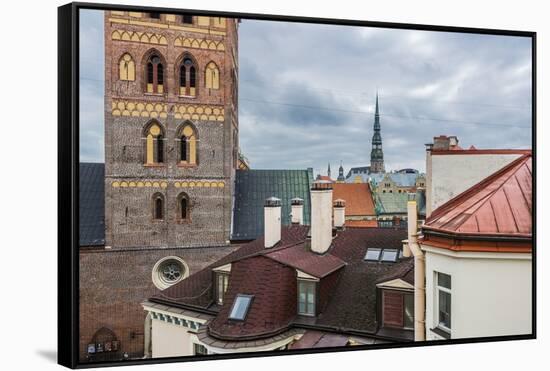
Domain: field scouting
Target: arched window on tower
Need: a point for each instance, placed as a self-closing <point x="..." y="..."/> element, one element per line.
<point x="155" y="75"/>
<point x="183" y="207"/>
<point x="212" y="76"/>
<point x="126" y="68"/>
<point x="158" y="206"/>
<point x="188" y="145"/>
<point x="154" y="144"/>
<point x="188" y="77"/>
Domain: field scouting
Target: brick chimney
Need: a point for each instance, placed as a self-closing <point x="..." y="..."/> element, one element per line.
<point x="339" y="213"/>
<point x="297" y="211"/>
<point x="272" y="222"/>
<point x="321" y="216"/>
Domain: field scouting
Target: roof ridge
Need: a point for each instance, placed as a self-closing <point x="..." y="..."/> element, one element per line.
<point x="476" y="188"/>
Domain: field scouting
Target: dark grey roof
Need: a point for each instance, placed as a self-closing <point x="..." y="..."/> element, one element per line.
<point x="252" y="187"/>
<point x="92" y="204"/>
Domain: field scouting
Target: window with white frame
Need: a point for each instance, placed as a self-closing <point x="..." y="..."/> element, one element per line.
<point x="443" y="301"/>
<point x="222" y="282"/>
<point x="306" y="297"/>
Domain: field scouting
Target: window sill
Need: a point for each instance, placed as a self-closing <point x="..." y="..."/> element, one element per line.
<point x="184" y="165"/>
<point x="154" y="94"/>
<point x="440" y="332"/>
<point x="154" y="165"/>
<point x="188" y="96"/>
<point x="183" y="221"/>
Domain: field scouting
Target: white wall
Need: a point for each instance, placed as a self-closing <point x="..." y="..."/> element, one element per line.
<point x="490" y="294"/>
<point x="170" y="340"/>
<point x="453" y="174"/>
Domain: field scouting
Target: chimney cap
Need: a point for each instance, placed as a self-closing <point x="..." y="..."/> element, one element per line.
<point x="339" y="203"/>
<point x="297" y="201"/>
<point x="321" y="185"/>
<point x="272" y="202"/>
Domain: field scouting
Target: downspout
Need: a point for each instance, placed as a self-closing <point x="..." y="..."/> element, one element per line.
<point x="413" y="248"/>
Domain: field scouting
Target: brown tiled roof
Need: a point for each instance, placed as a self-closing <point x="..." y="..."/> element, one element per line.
<point x="318" y="339"/>
<point x="302" y="258"/>
<point x="347" y="300"/>
<point x="500" y="205"/>
<point x="358" y="198"/>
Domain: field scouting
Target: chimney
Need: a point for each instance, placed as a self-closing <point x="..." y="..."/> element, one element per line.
<point x="297" y="211"/>
<point x="412" y="224"/>
<point x="339" y="213"/>
<point x="272" y="222"/>
<point x="321" y="216"/>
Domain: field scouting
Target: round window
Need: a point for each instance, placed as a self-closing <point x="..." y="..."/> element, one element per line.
<point x="169" y="271"/>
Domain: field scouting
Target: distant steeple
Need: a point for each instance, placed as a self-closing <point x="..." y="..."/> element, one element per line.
<point x="341" y="177"/>
<point x="376" y="154"/>
<point x="328" y="171"/>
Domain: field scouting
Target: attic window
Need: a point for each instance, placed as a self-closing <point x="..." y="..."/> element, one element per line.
<point x="373" y="254"/>
<point x="240" y="307"/>
<point x="382" y="255"/>
<point x="389" y="255"/>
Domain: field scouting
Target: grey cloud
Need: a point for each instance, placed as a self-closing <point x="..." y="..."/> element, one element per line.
<point x="420" y="75"/>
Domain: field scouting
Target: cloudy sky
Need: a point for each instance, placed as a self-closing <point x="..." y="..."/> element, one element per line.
<point x="307" y="92"/>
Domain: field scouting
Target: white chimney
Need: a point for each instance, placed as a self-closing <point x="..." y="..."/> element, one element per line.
<point x="321" y="217"/>
<point x="339" y="213"/>
<point x="272" y="222"/>
<point x="412" y="224"/>
<point x="297" y="211"/>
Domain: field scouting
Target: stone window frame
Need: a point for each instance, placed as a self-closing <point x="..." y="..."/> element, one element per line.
<point x="154" y="202"/>
<point x="145" y="62"/>
<point x="145" y="133"/>
<point x="183" y="196"/>
<point x="212" y="66"/>
<point x="156" y="274"/>
<point x="131" y="61"/>
<point x="177" y="71"/>
<point x="178" y="140"/>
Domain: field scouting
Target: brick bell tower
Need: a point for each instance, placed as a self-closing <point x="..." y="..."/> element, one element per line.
<point x="171" y="129"/>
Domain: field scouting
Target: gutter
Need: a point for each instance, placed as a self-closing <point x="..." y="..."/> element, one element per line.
<point x="413" y="248"/>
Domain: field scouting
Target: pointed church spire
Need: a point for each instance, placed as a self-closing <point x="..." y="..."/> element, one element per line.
<point x="376" y="154"/>
<point x="328" y="170"/>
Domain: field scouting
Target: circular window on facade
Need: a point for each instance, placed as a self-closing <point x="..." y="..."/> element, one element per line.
<point x="169" y="271"/>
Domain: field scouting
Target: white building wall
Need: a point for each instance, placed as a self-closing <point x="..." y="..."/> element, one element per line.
<point x="453" y="174"/>
<point x="171" y="340"/>
<point x="490" y="295"/>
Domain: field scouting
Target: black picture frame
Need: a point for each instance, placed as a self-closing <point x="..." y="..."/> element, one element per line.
<point x="68" y="176"/>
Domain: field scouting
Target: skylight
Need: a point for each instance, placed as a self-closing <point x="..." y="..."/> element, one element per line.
<point x="389" y="255"/>
<point x="240" y="307"/>
<point x="382" y="255"/>
<point x="373" y="254"/>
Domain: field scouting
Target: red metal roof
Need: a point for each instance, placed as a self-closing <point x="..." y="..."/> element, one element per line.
<point x="358" y="198"/>
<point x="500" y="205"/>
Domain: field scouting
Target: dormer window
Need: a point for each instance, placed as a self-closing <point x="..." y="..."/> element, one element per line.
<point x="306" y="297"/>
<point x="240" y="307"/>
